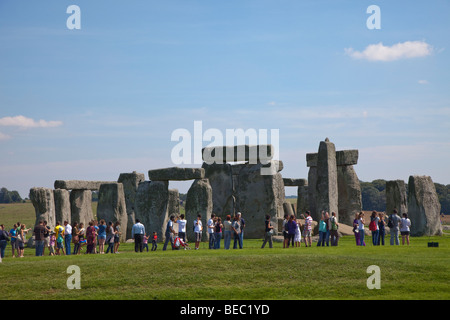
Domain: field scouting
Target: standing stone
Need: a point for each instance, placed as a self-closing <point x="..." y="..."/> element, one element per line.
<point x="423" y="207"/>
<point x="396" y="197"/>
<point x="302" y="200"/>
<point x="151" y="206"/>
<point x="198" y="201"/>
<point x="62" y="205"/>
<point x="174" y="202"/>
<point x="350" y="198"/>
<point x="130" y="183"/>
<point x="112" y="207"/>
<point x="257" y="196"/>
<point x="327" y="186"/>
<point x="220" y="177"/>
<point x="81" y="206"/>
<point x="312" y="191"/>
<point x="44" y="205"/>
<point x="287" y="208"/>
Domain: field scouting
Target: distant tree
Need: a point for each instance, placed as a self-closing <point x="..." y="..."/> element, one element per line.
<point x="7" y="196"/>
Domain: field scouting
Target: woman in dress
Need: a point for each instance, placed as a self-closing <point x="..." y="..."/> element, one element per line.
<point x="298" y="235"/>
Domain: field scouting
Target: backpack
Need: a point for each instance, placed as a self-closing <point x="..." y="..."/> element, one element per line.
<point x="334" y="226"/>
<point x="390" y="222"/>
<point x="373" y="225"/>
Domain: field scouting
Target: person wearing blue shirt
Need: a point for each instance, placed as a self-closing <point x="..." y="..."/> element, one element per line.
<point x="138" y="232"/>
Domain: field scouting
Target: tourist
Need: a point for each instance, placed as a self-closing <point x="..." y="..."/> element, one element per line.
<point x="322" y="231"/>
<point x="95" y="236"/>
<point x="117" y="234"/>
<point x="381" y="228"/>
<point x="356" y="229"/>
<point x="307" y="229"/>
<point x="67" y="237"/>
<point x="22" y="238"/>
<point x="3" y="240"/>
<point x="14" y="243"/>
<point x="393" y="224"/>
<point x="285" y="231"/>
<point x="90" y="237"/>
<point x="138" y="232"/>
<point x="154" y="241"/>
<point x="38" y="232"/>
<point x="198" y="228"/>
<point x="110" y="237"/>
<point x="211" y="233"/>
<point x="46" y="237"/>
<point x="218" y="232"/>
<point x="145" y="242"/>
<point x="374" y="227"/>
<point x="361" y="229"/>
<point x="405" y="225"/>
<point x="75" y="237"/>
<point x="181" y="227"/>
<point x="170" y="232"/>
<point x="298" y="235"/>
<point x="268" y="233"/>
<point x="327" y="223"/>
<point x="227" y="230"/>
<point x="236" y="227"/>
<point x="59" y="234"/>
<point x="102" y="236"/>
<point x="292" y="226"/>
<point x="52" y="243"/>
<point x="241" y="235"/>
<point x="81" y="238"/>
<point x="334" y="226"/>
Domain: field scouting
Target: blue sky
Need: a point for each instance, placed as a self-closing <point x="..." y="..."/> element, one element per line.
<point x="105" y="99"/>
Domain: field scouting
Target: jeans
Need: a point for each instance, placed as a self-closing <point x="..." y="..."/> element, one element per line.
<point x="237" y="239"/>
<point x="321" y="241"/>
<point x="212" y="240"/>
<point x="76" y="248"/>
<point x="154" y="245"/>
<point x="111" y="247"/>
<point x="67" y="241"/>
<point x="375" y="235"/>
<point x="169" y="237"/>
<point x="218" y="236"/>
<point x="394" y="237"/>
<point x="334" y="238"/>
<point x="2" y="248"/>
<point x="267" y="238"/>
<point x="327" y="238"/>
<point x="39" y="248"/>
<point x="241" y="239"/>
<point x="361" y="238"/>
<point x="227" y="239"/>
<point x="381" y="237"/>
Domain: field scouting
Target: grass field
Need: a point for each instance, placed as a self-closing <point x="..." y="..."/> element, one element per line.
<point x="414" y="272"/>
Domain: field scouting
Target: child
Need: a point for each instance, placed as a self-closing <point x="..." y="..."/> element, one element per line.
<point x="146" y="241"/>
<point x="52" y="244"/>
<point x="154" y="240"/>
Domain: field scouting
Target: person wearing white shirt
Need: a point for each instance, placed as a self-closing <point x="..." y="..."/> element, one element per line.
<point x="211" y="234"/>
<point x="181" y="227"/>
<point x="67" y="236"/>
<point x="405" y="225"/>
<point x="198" y="228"/>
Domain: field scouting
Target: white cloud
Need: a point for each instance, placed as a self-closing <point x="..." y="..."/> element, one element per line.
<point x="24" y="122"/>
<point x="403" y="50"/>
<point x="422" y="82"/>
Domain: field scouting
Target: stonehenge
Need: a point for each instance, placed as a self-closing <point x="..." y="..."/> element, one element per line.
<point x="243" y="178"/>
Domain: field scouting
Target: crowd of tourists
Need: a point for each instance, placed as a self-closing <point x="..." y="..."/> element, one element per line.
<point x="99" y="234"/>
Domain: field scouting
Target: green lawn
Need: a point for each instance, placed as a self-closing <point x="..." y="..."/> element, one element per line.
<point x="414" y="272"/>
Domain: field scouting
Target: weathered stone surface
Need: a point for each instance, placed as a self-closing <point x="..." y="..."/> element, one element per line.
<point x="130" y="183"/>
<point x="289" y="182"/>
<point x="343" y="158"/>
<point x="198" y="201"/>
<point x="151" y="206"/>
<point x="287" y="208"/>
<point x="258" y="195"/>
<point x="62" y="205"/>
<point x="220" y="178"/>
<point x="302" y="200"/>
<point x="423" y="207"/>
<point x="79" y="184"/>
<point x="252" y="153"/>
<point x="112" y="206"/>
<point x="326" y="187"/>
<point x="312" y="191"/>
<point x="176" y="173"/>
<point x="174" y="202"/>
<point x="44" y="205"/>
<point x="349" y="194"/>
<point x="396" y="197"/>
<point x="81" y="206"/>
